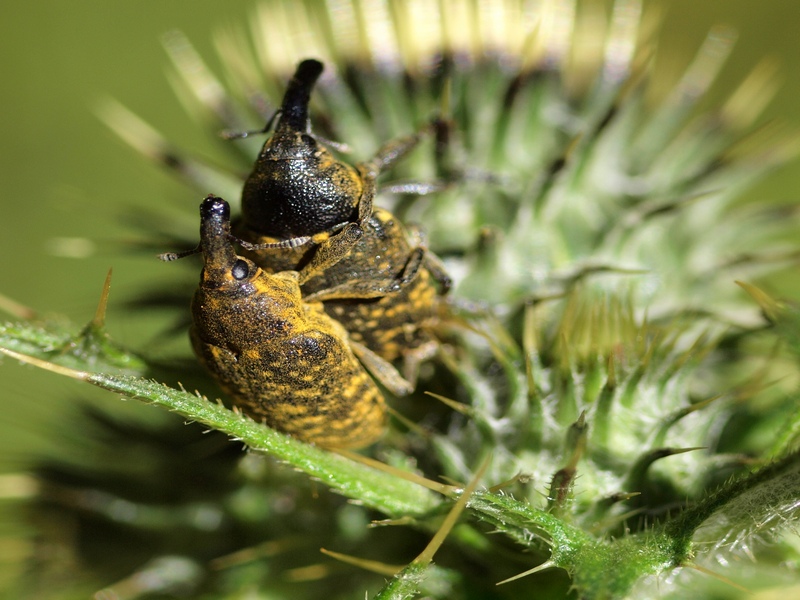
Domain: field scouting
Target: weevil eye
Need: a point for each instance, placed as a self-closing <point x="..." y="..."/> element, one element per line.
<point x="240" y="270"/>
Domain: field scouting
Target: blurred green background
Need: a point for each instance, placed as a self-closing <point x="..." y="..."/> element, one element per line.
<point x="64" y="176"/>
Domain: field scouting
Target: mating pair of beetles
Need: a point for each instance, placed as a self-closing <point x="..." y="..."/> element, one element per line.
<point x="329" y="290"/>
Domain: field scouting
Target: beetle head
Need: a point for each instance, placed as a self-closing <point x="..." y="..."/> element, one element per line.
<point x="297" y="187"/>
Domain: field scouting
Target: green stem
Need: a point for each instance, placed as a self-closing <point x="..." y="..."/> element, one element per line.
<point x="389" y="494"/>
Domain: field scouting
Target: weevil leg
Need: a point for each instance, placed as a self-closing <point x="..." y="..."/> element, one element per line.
<point x="367" y="199"/>
<point x="413" y="265"/>
<point x="436" y="268"/>
<point x="433" y="263"/>
<point x="382" y="370"/>
<point x="365" y="288"/>
<point x="385" y="157"/>
<point x="395" y="149"/>
<point x="416" y="188"/>
<point x="356" y="289"/>
<point x="413" y="358"/>
<point x="331" y="251"/>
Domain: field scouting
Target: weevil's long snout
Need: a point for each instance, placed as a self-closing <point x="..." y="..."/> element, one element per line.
<point x="294" y="110"/>
<point x="215" y="232"/>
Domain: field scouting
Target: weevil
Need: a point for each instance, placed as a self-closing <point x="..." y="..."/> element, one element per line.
<point x="281" y="358"/>
<point x="305" y="210"/>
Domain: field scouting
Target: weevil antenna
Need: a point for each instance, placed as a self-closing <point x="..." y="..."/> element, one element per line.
<point x="170" y="256"/>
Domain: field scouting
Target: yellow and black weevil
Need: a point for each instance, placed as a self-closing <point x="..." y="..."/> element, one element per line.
<point x="282" y="359"/>
<point x="304" y="210"/>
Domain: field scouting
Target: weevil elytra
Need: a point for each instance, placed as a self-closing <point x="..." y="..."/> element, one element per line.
<point x="305" y="210"/>
<point x="282" y="360"/>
